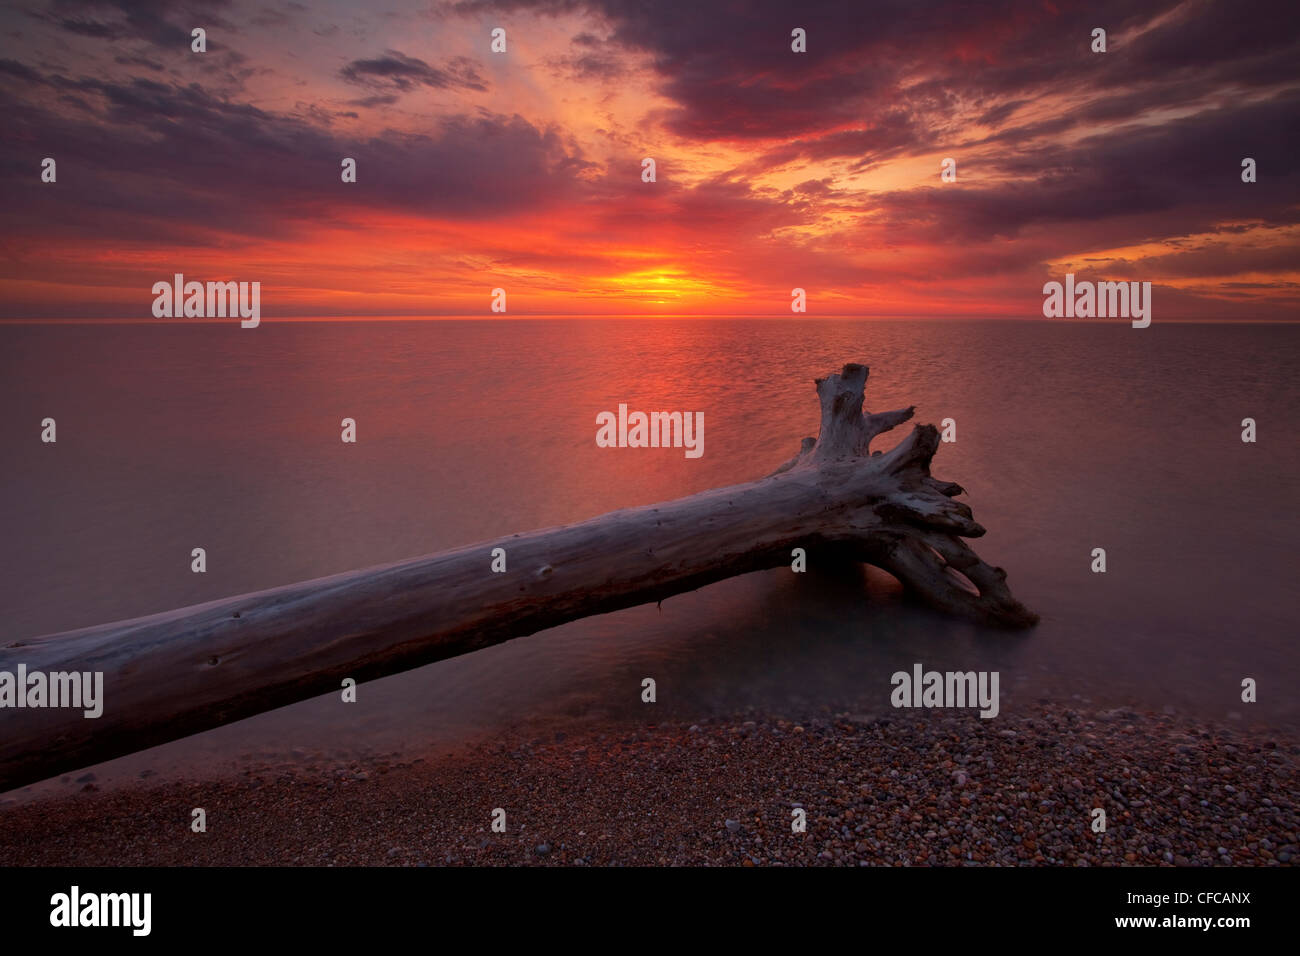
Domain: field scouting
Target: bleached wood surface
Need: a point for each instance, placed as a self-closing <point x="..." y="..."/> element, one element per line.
<point x="173" y="674"/>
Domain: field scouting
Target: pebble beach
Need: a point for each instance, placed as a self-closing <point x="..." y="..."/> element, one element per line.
<point x="902" y="789"/>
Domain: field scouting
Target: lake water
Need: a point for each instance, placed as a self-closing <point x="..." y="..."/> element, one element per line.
<point x="1070" y="436"/>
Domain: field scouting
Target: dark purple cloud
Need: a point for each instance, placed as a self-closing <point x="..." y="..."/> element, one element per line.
<point x="91" y="28"/>
<point x="156" y="159"/>
<point x="919" y="67"/>
<point x="1148" y="182"/>
<point x="163" y="23"/>
<point x="395" y="72"/>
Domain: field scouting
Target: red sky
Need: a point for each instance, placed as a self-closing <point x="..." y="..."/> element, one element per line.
<point x="775" y="169"/>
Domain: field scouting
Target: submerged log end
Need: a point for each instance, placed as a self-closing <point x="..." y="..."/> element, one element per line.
<point x="948" y="575"/>
<point x="922" y="520"/>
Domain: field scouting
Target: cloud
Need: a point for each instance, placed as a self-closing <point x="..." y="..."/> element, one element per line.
<point x="91" y="28"/>
<point x="16" y="69"/>
<point x="394" y="72"/>
<point x="1147" y="182"/>
<point x="147" y="20"/>
<point x="919" y="68"/>
<point x="379" y="99"/>
<point x="163" y="160"/>
<point x="821" y="166"/>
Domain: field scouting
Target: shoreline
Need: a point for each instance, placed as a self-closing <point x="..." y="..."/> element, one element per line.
<point x="902" y="788"/>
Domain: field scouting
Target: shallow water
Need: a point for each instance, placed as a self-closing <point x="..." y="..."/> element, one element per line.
<point x="1070" y="436"/>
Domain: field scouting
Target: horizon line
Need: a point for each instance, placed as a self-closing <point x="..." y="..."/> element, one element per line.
<point x="542" y="316"/>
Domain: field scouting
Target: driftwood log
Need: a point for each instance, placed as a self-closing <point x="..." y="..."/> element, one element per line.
<point x="173" y="674"/>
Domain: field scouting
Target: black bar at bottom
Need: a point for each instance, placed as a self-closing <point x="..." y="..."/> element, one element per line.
<point x="333" y="906"/>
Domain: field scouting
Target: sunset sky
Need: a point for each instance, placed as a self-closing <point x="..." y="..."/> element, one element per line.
<point x="774" y="169"/>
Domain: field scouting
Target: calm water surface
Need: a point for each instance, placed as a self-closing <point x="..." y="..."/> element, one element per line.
<point x="1071" y="436"/>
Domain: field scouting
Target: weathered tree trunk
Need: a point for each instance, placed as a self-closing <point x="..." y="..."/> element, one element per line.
<point x="173" y="674"/>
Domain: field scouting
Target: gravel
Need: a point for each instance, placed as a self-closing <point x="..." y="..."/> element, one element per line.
<point x="910" y="788"/>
